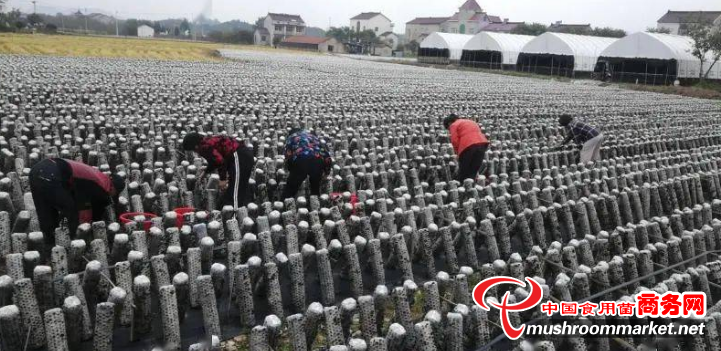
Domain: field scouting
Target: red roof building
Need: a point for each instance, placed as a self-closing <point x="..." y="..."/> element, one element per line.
<point x="471" y="5"/>
<point x="470" y="19"/>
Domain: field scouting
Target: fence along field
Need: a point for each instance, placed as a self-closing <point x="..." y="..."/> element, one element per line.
<point x="395" y="272"/>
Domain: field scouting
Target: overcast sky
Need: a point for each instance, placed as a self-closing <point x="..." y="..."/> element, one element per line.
<point x="631" y="15"/>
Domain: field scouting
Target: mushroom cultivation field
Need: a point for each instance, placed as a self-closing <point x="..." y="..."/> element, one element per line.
<point x="387" y="258"/>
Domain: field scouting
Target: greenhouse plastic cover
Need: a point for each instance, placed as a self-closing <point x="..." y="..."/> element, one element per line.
<point x="584" y="49"/>
<point x="644" y="45"/>
<point x="453" y="42"/>
<point x="509" y="45"/>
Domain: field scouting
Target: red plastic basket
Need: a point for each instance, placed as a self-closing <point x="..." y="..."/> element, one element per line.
<point x="126" y="218"/>
<point x="182" y="211"/>
<point x="353" y="199"/>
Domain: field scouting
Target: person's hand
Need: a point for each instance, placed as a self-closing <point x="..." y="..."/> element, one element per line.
<point x="223" y="185"/>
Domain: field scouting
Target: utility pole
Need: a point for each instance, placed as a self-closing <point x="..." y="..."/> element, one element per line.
<point x="86" y="21"/>
<point x="35" y="6"/>
<point x="117" y="30"/>
<point x="193" y="28"/>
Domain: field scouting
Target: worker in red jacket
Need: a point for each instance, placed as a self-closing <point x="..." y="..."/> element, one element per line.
<point x="469" y="143"/>
<point x="73" y="190"/>
<point x="231" y="159"/>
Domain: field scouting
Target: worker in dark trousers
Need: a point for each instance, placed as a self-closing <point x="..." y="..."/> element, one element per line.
<point x="73" y="190"/>
<point x="306" y="156"/>
<point x="469" y="143"/>
<point x="231" y="159"/>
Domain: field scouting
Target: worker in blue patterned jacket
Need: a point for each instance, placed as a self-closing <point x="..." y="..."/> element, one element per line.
<point x="306" y="156"/>
<point x="589" y="138"/>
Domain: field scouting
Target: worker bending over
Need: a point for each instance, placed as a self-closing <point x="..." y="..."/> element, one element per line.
<point x="231" y="159"/>
<point x="306" y="156"/>
<point x="583" y="135"/>
<point x="469" y="144"/>
<point x="73" y="190"/>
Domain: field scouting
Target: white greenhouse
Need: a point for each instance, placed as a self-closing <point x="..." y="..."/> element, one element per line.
<point x="562" y="54"/>
<point x="494" y="50"/>
<point x="442" y="48"/>
<point x="652" y="58"/>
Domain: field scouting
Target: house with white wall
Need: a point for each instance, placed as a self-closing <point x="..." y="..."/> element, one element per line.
<point x="146" y="31"/>
<point x="390" y="38"/>
<point x="374" y="21"/>
<point x="421" y="27"/>
<point x="677" y="22"/>
<point x="278" y="26"/>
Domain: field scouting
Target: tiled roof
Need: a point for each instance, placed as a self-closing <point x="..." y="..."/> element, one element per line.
<point x="304" y="39"/>
<point x="478" y="17"/>
<point x="428" y="20"/>
<point x="471" y="5"/>
<point x="689" y="16"/>
<point x="365" y="16"/>
<point x="501" y="27"/>
<point x="282" y="17"/>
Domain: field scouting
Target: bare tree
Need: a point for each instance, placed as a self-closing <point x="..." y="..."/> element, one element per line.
<point x="701" y="33"/>
<point x="715" y="44"/>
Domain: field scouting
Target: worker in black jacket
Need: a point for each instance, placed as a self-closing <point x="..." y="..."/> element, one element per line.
<point x="231" y="159"/>
<point x="70" y="189"/>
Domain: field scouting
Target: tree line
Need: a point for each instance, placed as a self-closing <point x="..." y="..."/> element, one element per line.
<point x="235" y="32"/>
<point x="537" y="29"/>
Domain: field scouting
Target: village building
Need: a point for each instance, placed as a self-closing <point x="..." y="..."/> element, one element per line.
<point x="678" y="22"/>
<point x="373" y="21"/>
<point x="278" y="26"/>
<point x="307" y="43"/>
<point x="146" y="31"/>
<point x="470" y="19"/>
